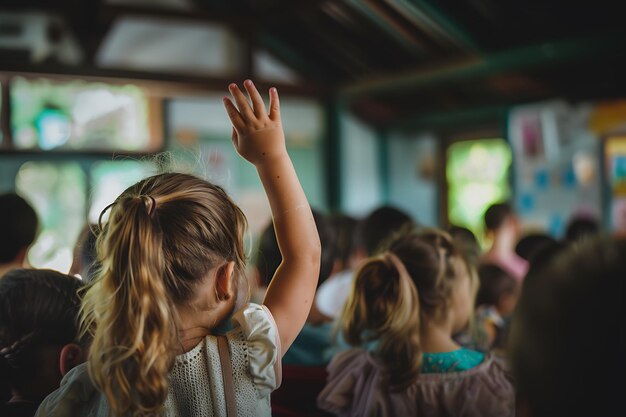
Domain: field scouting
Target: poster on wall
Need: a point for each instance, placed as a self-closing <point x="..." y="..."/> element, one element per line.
<point x="555" y="164"/>
<point x="615" y="154"/>
<point x="531" y="137"/>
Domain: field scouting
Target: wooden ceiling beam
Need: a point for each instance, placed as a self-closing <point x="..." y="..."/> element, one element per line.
<point x="160" y="83"/>
<point x="446" y="119"/>
<point x="520" y="59"/>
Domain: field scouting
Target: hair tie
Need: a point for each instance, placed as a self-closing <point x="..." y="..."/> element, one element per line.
<point x="152" y="206"/>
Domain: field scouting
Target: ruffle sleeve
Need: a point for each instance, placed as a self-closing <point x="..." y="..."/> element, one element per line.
<point x="258" y="329"/>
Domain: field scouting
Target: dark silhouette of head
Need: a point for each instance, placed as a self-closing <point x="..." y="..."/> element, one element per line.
<point x="268" y="257"/>
<point x="580" y="228"/>
<point x="375" y="230"/>
<point x="18" y="223"/>
<point x="569" y="333"/>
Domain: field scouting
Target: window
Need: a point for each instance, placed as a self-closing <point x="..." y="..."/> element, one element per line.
<point x="477" y="175"/>
<point x="57" y="192"/>
<point x="79" y="116"/>
<point x="110" y="178"/>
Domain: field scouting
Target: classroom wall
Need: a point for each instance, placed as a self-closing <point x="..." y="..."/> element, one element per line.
<point x="412" y="176"/>
<point x="361" y="180"/>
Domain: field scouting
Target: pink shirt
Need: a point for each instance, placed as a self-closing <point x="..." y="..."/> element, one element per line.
<point x="511" y="263"/>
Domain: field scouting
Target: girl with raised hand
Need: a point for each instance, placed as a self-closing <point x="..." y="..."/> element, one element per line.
<point x="172" y="270"/>
<point x="404" y="307"/>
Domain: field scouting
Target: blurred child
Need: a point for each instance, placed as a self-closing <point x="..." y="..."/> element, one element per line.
<point x="568" y="335"/>
<point x="503" y="229"/>
<point x="496" y="299"/>
<point x="85" y="262"/>
<point x="372" y="233"/>
<point x="404" y="306"/>
<point x="466" y="242"/>
<point x="172" y="271"/>
<point x="344" y="227"/>
<point x="532" y="244"/>
<point x="266" y="261"/>
<point x="313" y="345"/>
<point x="39" y="337"/>
<point x="18" y="223"/>
<point x="580" y="228"/>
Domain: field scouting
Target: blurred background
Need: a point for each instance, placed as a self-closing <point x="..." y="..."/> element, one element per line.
<point x="437" y="107"/>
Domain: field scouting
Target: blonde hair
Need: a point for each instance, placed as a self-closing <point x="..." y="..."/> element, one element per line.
<point x="394" y="294"/>
<point x="163" y="236"/>
<point x="383" y="306"/>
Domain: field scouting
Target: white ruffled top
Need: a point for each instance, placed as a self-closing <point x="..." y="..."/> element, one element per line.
<point x="196" y="387"/>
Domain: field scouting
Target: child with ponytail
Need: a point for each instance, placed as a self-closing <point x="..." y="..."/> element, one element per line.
<point x="172" y="264"/>
<point x="405" y="305"/>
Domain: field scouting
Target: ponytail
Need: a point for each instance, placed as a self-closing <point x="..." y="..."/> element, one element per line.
<point x="129" y="313"/>
<point x="384" y="306"/>
<point x="164" y="236"/>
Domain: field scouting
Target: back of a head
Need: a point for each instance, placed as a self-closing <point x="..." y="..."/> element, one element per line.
<point x="375" y="230"/>
<point x="268" y="257"/>
<point x="394" y="292"/>
<point x="581" y="228"/>
<point x="496" y="215"/>
<point x="466" y="242"/>
<point x="18" y="223"/>
<point x="569" y="333"/>
<point x="38" y="309"/>
<point x="494" y="283"/>
<point x="163" y="237"/>
<point x="432" y="261"/>
<point x="532" y="244"/>
<point x="344" y="227"/>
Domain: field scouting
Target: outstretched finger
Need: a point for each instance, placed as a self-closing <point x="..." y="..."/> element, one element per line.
<point x="242" y="104"/>
<point x="255" y="97"/>
<point x="233" y="114"/>
<point x="274" y="105"/>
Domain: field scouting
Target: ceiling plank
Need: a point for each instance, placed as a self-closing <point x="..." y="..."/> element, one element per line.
<point x="435" y="23"/>
<point x="384" y="22"/>
<point x="294" y="58"/>
<point x="427" y="12"/>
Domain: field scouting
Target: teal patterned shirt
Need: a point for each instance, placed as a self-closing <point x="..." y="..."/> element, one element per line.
<point x="455" y="361"/>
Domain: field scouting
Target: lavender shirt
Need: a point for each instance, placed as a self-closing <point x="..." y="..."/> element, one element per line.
<point x="353" y="389"/>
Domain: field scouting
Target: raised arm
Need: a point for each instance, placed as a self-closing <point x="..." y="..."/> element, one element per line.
<point x="259" y="138"/>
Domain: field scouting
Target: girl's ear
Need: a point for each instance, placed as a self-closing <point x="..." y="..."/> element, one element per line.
<point x="224" y="281"/>
<point x="71" y="355"/>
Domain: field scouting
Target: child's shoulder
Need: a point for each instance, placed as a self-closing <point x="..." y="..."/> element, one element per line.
<point x="75" y="395"/>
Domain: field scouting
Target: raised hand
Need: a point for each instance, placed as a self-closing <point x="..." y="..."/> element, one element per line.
<point x="259" y="138"/>
<point x="257" y="135"/>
